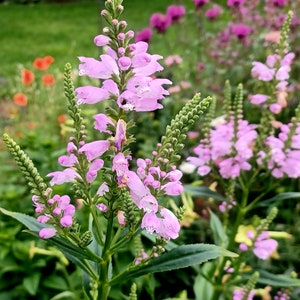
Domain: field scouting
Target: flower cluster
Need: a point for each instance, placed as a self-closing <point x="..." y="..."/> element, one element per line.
<point x="277" y="70"/>
<point x="126" y="72"/>
<point x="228" y="147"/>
<point x="263" y="245"/>
<point x="57" y="210"/>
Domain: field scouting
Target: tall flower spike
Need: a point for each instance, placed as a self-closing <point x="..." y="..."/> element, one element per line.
<point x="172" y="142"/>
<point x="250" y="285"/>
<point x="283" y="43"/>
<point x="34" y="179"/>
<point x="265" y="223"/>
<point x="74" y="110"/>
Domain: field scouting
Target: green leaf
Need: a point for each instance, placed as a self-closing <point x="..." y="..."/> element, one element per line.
<point x="179" y="257"/>
<point x="280" y="197"/>
<point x="203" y="191"/>
<point x="31" y="283"/>
<point x="278" y="280"/>
<point x="202" y="287"/>
<point x="216" y="226"/>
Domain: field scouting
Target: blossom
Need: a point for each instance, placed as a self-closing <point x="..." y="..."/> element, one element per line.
<point x="258" y="99"/>
<point x="261" y="71"/>
<point x="238" y="294"/>
<point x="59" y="177"/>
<point x="27" y="77"/>
<point x="47" y="233"/>
<point x="94" y="149"/>
<point x="213" y="12"/>
<point x="175" y="12"/>
<point x="48" y="79"/>
<point x="101" y="40"/>
<point x="235" y="3"/>
<point x="200" y="3"/>
<point x="20" y="99"/>
<point x="144" y="35"/>
<point x="240" y="30"/>
<point x="102" y="69"/>
<point x="91" y="95"/>
<point x="102" y="121"/>
<point x="160" y="22"/>
<point x="94" y="167"/>
<point x="264" y="246"/>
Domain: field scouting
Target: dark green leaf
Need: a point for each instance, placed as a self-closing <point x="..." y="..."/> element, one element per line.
<point x="31" y="283"/>
<point x="280" y="197"/>
<point x="279" y="280"/>
<point x="216" y="226"/>
<point x="179" y="257"/>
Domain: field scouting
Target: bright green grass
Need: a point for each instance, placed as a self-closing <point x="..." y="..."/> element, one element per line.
<point x="63" y="31"/>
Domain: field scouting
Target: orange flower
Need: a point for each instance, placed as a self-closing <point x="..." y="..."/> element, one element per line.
<point x="61" y="118"/>
<point x="43" y="63"/>
<point x="48" y="79"/>
<point x="20" y="99"/>
<point x="27" y="77"/>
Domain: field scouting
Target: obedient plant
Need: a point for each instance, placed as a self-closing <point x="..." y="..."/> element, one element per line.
<point x="122" y="194"/>
<point x="246" y="162"/>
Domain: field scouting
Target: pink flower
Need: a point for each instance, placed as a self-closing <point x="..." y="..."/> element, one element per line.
<point x="200" y="3"/>
<point x="235" y="3"/>
<point x="95" y="166"/>
<point x="103" y="188"/>
<point x="47" y="233"/>
<point x="120" y="136"/>
<point x="173" y="188"/>
<point x="160" y="22"/>
<point x="144" y="35"/>
<point x="148" y="204"/>
<point x="94" y="149"/>
<point x="92" y="94"/>
<point x="258" y="99"/>
<point x="68" y="161"/>
<point x="169" y="225"/>
<point x="213" y="12"/>
<point x="101" y="123"/>
<point x="240" y="30"/>
<point x="264" y="246"/>
<point x="275" y="108"/>
<point x="98" y="69"/>
<point x="262" y="72"/>
<point x="101" y="40"/>
<point x="60" y="177"/>
<point x="175" y="12"/>
<point x="238" y="294"/>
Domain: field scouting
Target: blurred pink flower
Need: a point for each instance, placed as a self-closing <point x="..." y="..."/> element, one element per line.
<point x="160" y="22"/>
<point x="213" y="12"/>
<point x="144" y="35"/>
<point x="175" y="12"/>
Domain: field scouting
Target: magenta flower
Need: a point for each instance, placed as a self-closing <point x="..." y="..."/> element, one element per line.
<point x="160" y="22"/>
<point x="213" y="12"/>
<point x="235" y="3"/>
<point x="94" y="149"/>
<point x="175" y="12"/>
<point x="144" y="35"/>
<point x="200" y="3"/>
<point x="239" y="294"/>
<point x="241" y="30"/>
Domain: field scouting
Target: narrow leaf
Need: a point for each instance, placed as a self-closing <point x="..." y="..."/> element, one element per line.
<point x="216" y="226"/>
<point x="279" y="280"/>
<point x="280" y="197"/>
<point x="179" y="257"/>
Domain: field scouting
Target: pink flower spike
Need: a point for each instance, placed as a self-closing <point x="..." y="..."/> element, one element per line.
<point x="94" y="149"/>
<point x="47" y="233"/>
<point x="60" y="177"/>
<point x="101" y="40"/>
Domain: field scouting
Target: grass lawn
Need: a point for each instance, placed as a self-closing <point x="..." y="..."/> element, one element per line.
<point x="63" y="31"/>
